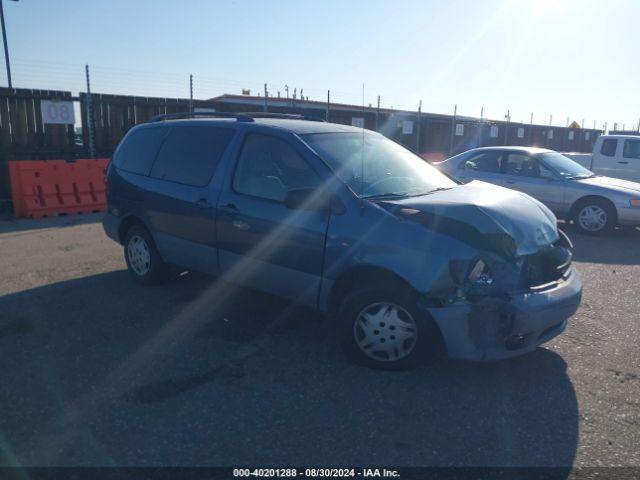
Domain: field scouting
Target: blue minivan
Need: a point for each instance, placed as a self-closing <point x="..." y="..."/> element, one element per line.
<point x="407" y="261"/>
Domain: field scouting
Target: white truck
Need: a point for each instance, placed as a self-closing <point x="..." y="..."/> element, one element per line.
<point x="615" y="156"/>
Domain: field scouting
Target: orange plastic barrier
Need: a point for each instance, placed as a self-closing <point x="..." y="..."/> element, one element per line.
<point x="43" y="188"/>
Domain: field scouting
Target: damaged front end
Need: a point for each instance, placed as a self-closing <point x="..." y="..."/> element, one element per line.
<point x="501" y="306"/>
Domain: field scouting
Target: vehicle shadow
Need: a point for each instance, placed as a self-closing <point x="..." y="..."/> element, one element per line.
<point x="10" y="224"/>
<point x="620" y="247"/>
<point x="102" y="371"/>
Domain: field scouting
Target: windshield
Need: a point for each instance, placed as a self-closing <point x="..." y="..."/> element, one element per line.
<point x="564" y="166"/>
<point x="372" y="165"/>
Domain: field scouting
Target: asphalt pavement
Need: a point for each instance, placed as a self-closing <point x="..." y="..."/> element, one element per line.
<point x="99" y="371"/>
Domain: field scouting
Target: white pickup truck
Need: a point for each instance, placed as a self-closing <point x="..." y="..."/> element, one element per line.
<point x="615" y="156"/>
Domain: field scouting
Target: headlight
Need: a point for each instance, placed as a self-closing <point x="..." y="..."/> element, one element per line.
<point x="475" y="272"/>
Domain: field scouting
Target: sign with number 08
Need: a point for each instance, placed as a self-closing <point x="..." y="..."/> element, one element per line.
<point x="58" y="112"/>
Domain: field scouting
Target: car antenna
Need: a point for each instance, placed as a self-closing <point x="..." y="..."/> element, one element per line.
<point x="362" y="158"/>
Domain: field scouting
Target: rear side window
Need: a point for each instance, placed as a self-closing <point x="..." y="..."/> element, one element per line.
<point x="483" y="162"/>
<point x="137" y="152"/>
<point x="631" y="149"/>
<point x="609" y="146"/>
<point x="190" y="155"/>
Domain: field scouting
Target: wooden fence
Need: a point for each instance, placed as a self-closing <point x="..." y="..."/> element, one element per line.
<point x="24" y="135"/>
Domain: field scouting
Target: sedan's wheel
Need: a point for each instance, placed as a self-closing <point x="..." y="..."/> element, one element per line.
<point x="386" y="329"/>
<point x="385" y="332"/>
<point x="595" y="217"/>
<point x="142" y="257"/>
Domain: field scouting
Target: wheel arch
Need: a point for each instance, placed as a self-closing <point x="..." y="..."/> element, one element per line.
<point x="573" y="211"/>
<point x="126" y="223"/>
<point x="371" y="276"/>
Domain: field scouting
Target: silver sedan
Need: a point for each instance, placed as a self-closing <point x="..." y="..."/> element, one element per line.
<point x="595" y="204"/>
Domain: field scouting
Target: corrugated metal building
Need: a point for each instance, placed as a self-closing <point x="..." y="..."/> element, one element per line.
<point x="432" y="135"/>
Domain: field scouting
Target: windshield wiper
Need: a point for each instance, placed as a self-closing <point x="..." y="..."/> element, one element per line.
<point x="388" y="194"/>
<point x="580" y="177"/>
<point x="406" y="194"/>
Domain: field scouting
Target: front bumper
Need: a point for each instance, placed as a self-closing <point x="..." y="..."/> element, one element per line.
<point x="494" y="329"/>
<point x="629" y="216"/>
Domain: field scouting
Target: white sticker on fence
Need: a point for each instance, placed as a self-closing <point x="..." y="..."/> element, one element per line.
<point x="407" y="127"/>
<point x="204" y="110"/>
<point x="357" y="122"/>
<point x="57" y="112"/>
<point x="459" y="129"/>
<point x="494" y="131"/>
<point x="520" y="132"/>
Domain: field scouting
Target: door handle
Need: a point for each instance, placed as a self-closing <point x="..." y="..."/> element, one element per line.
<point x="230" y="209"/>
<point x="203" y="203"/>
<point x="510" y="182"/>
<point x="624" y="163"/>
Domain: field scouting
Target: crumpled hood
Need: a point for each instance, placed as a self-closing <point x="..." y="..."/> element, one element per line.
<point x="615" y="183"/>
<point x="485" y="216"/>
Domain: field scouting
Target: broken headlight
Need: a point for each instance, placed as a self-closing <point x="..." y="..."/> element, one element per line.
<point x="474" y="272"/>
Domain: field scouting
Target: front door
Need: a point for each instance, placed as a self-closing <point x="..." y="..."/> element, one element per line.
<point x="628" y="167"/>
<point x="525" y="173"/>
<point x="262" y="243"/>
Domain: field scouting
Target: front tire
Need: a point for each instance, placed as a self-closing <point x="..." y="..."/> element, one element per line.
<point x="385" y="329"/>
<point x="143" y="260"/>
<point x="595" y="217"/>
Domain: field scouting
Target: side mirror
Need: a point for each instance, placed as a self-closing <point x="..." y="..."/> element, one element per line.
<point x="307" y="199"/>
<point x="313" y="199"/>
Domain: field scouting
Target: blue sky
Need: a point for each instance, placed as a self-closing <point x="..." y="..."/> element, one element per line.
<point x="566" y="58"/>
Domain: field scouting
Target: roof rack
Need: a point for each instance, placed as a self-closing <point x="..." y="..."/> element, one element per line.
<point x="289" y="116"/>
<point x="240" y="117"/>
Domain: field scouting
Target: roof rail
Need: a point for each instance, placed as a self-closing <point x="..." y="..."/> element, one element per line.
<point x="240" y="117"/>
<point x="289" y="116"/>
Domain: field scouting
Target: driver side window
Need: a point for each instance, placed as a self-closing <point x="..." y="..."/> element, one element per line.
<point x="523" y="165"/>
<point x="268" y="167"/>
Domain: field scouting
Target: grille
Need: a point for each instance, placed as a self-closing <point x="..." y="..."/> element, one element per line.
<point x="546" y="266"/>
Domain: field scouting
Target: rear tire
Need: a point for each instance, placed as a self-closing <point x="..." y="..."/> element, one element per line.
<point x="384" y="328"/>
<point x="143" y="260"/>
<point x="595" y="217"/>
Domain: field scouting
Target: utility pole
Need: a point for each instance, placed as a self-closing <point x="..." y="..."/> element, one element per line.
<point x="266" y="94"/>
<point x="419" y="124"/>
<point x="90" y="124"/>
<point x="506" y="130"/>
<point x="286" y="89"/>
<point x="453" y="127"/>
<point x="378" y="112"/>
<point x="191" y="93"/>
<point x="328" y="102"/>
<point x="530" y="128"/>
<point x="6" y="46"/>
<point x="481" y="127"/>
